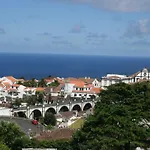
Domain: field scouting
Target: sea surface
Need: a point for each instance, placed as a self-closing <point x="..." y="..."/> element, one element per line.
<point x="42" y="65"/>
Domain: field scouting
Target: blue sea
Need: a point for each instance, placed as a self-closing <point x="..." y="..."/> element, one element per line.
<point x="42" y="65"/>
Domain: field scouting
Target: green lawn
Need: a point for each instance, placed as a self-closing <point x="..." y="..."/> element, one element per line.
<point x="77" y="124"/>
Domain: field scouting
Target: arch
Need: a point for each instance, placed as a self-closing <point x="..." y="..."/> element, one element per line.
<point x="63" y="109"/>
<point x="21" y="114"/>
<point x="52" y="110"/>
<point x="36" y="114"/>
<point x="87" y="106"/>
<point x="76" y="107"/>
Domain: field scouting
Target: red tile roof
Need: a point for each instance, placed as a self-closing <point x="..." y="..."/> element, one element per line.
<point x="6" y="84"/>
<point x="87" y="80"/>
<point x="96" y="90"/>
<point x="11" y="78"/>
<point x="16" y="85"/>
<point x="40" y="89"/>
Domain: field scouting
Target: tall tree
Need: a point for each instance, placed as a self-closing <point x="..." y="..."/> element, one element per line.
<point x="40" y="97"/>
<point x="120" y="120"/>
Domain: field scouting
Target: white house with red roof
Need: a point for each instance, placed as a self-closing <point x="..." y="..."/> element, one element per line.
<point x="78" y="88"/>
<point x="16" y="91"/>
<point x="9" y="79"/>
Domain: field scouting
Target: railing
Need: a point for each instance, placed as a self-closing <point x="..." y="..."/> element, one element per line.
<point x="58" y="103"/>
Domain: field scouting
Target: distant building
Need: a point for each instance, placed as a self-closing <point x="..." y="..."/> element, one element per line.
<point x="110" y="79"/>
<point x="82" y="87"/>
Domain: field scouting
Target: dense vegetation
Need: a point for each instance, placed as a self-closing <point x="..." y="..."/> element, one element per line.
<point x="120" y="122"/>
<point x="41" y="83"/>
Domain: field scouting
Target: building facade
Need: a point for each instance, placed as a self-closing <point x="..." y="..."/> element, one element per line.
<point x="110" y="79"/>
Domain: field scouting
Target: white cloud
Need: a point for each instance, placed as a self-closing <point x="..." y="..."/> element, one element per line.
<point x="140" y="28"/>
<point x="117" y="5"/>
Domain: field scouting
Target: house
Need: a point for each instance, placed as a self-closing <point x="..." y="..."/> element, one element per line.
<point x="64" y="119"/>
<point x="28" y="91"/>
<point x="110" y="79"/>
<point x="81" y="87"/>
<point x="55" y="91"/>
<point x="49" y="80"/>
<point x="95" y="82"/>
<point x="143" y="74"/>
<point x="9" y="79"/>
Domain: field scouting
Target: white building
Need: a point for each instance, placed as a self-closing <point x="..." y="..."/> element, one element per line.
<point x="110" y="79"/>
<point x="81" y="88"/>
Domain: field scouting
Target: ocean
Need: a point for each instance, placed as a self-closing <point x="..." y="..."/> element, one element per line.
<point x="42" y="65"/>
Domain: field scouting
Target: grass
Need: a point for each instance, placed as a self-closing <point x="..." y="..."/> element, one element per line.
<point x="77" y="124"/>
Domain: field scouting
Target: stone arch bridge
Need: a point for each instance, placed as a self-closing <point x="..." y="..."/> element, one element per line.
<point x="62" y="106"/>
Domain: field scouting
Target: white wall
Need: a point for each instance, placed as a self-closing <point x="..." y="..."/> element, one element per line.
<point x="5" y="112"/>
<point x="96" y="83"/>
<point x="21" y="91"/>
<point x="68" y="88"/>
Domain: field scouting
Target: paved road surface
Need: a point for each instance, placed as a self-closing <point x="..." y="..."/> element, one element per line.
<point x="24" y="124"/>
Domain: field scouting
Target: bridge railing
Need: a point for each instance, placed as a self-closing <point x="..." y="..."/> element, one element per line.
<point x="58" y="103"/>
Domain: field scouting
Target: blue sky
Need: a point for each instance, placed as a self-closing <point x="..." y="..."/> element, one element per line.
<point x="88" y="27"/>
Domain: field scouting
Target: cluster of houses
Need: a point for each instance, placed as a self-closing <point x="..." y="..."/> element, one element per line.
<point x="10" y="87"/>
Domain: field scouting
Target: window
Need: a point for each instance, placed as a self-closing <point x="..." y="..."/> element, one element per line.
<point x="75" y="95"/>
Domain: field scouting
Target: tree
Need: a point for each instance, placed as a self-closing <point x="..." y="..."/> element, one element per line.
<point x="54" y="84"/>
<point x="9" y="132"/>
<point x="50" y="119"/>
<point x="40" y="97"/>
<point x="17" y="102"/>
<point x="3" y="147"/>
<point x="119" y="121"/>
<point x="42" y="83"/>
<point x="20" y="143"/>
<point x="31" y="100"/>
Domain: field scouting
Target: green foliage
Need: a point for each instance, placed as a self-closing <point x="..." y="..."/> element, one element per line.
<point x="49" y="127"/>
<point x="50" y="119"/>
<point x="42" y="83"/>
<point x="59" y="144"/>
<point x="3" y="147"/>
<point x="20" y="143"/>
<point x="55" y="83"/>
<point x="33" y="143"/>
<point x="117" y="122"/>
<point x="9" y="132"/>
<point x="31" y="100"/>
<point x="40" y="97"/>
<point x="30" y="83"/>
<point x="17" y="102"/>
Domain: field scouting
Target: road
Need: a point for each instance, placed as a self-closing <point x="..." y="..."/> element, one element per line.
<point x="24" y="124"/>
